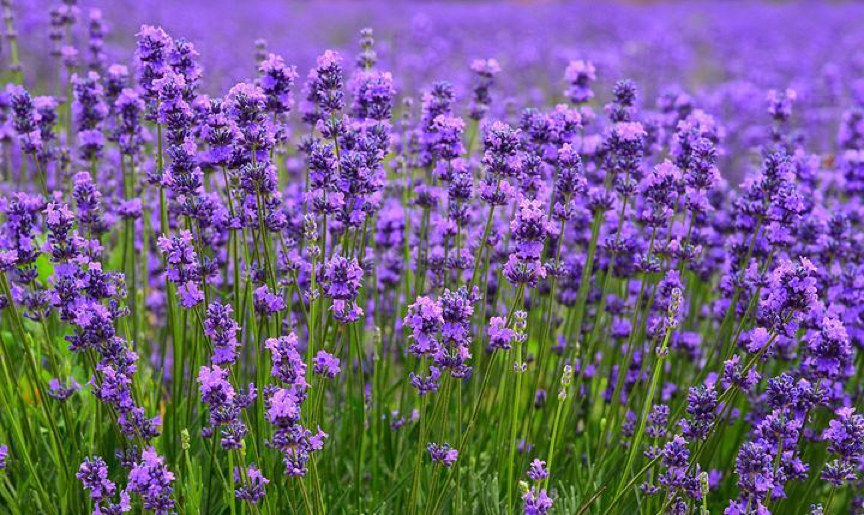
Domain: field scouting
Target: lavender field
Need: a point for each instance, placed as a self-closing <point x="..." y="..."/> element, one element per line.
<point x="420" y="258"/>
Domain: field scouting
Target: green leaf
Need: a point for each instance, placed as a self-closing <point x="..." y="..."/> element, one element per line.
<point x="45" y="268"/>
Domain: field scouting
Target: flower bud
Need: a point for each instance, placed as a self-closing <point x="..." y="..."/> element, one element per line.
<point x="567" y="376"/>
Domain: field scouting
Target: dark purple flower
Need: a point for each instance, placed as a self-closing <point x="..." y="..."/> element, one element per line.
<point x="484" y="72"/>
<point x="657" y="421"/>
<point x="500" y="336"/>
<point x="537" y="502"/>
<point x="152" y="53"/>
<point x="266" y="302"/>
<point x="62" y="241"/>
<point x="24" y="119"/>
<point x="276" y="80"/>
<point x="151" y="480"/>
<point x="214" y="386"/>
<point x="828" y="353"/>
<point x="529" y="229"/>
<point x="59" y="391"/>
<point x="845" y="437"/>
<point x="184" y="267"/>
<point x="676" y="459"/>
<point x="702" y="406"/>
<point x="424" y="318"/>
<point x="288" y="364"/>
<point x="326" y="364"/>
<point x="373" y="95"/>
<point x="537" y="470"/>
<point x="222" y="330"/>
<point x="443" y="454"/>
<point x="342" y="278"/>
<point x="93" y="474"/>
<point x="580" y="74"/>
<point x="755" y="469"/>
<point x="501" y="154"/>
<point x="425" y="384"/>
<point x="324" y="87"/>
<point x="733" y="375"/>
<point x="791" y="293"/>
<point x="252" y="485"/>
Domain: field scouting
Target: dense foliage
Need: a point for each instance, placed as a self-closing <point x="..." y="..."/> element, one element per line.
<point x="469" y="268"/>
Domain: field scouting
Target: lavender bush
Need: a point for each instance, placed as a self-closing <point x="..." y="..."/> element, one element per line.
<point x="477" y="258"/>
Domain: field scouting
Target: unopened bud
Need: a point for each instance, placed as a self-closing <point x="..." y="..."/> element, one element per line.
<point x="520" y="321"/>
<point x="703" y="481"/>
<point x="674" y="308"/>
<point x="310" y="228"/>
<point x="567" y="376"/>
<point x="311" y="294"/>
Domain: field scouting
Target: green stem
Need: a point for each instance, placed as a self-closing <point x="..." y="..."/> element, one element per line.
<point x="646" y="408"/>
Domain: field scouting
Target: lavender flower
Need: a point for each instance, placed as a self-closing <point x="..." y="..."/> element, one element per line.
<point x="701" y="405"/>
<point x="580" y="74"/>
<point x="425" y="384"/>
<point x="276" y="81"/>
<point x="252" y="489"/>
<point x="733" y="375"/>
<point x="537" y="470"/>
<point x="373" y="95"/>
<point x="93" y="474"/>
<point x="326" y="364"/>
<point x="529" y="230"/>
<point x="58" y="391"/>
<point x="755" y="470"/>
<point x="266" y="302"/>
<point x="184" y="268"/>
<point x="151" y="480"/>
<point x="424" y="318"/>
<point x="500" y="337"/>
<point x="342" y="278"/>
<point x="845" y="436"/>
<point x="291" y="439"/>
<point x="484" y="71"/>
<point x="324" y="87"/>
<point x="443" y="454"/>
<point x="222" y="331"/>
<point x="288" y="365"/>
<point x="24" y="119"/>
<point x="791" y="294"/>
<point x="537" y="502"/>
<point x="152" y="53"/>
<point x="828" y="353"/>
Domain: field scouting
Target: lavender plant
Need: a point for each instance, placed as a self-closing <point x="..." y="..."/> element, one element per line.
<point x="451" y="288"/>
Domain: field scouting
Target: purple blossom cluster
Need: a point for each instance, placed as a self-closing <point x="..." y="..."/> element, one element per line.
<point x="283" y="404"/>
<point x="536" y="500"/>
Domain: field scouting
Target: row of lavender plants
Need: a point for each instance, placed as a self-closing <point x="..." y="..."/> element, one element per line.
<point x="318" y="294"/>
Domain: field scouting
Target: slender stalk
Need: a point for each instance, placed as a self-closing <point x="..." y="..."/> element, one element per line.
<point x="514" y="424"/>
<point x="646" y="408"/>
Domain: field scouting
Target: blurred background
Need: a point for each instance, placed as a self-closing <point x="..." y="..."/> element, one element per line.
<point x="724" y="54"/>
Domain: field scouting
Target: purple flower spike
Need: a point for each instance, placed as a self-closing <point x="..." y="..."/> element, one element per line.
<point x="326" y="364"/>
<point x="443" y="454"/>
